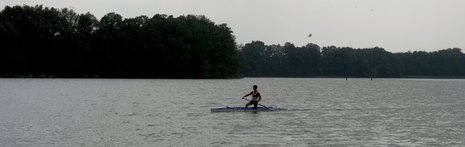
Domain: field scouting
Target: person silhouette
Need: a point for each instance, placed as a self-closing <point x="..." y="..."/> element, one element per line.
<point x="256" y="97"/>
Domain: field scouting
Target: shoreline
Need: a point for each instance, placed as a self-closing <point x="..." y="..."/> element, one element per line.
<point x="239" y="77"/>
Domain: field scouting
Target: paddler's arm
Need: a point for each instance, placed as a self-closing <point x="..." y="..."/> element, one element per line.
<point x="247" y="95"/>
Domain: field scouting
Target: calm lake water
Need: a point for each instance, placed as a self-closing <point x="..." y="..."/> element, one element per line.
<point x="322" y="112"/>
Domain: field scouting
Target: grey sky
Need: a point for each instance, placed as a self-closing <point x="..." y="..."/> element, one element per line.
<point x="396" y="25"/>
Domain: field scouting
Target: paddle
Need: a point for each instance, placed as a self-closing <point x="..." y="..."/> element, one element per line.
<point x="258" y="104"/>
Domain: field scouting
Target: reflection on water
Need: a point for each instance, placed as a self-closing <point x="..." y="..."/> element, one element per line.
<point x="322" y="112"/>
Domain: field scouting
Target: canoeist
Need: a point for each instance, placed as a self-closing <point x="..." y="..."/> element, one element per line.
<point x="256" y="97"/>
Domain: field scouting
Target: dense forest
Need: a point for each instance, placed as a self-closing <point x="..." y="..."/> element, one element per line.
<point x="47" y="42"/>
<point x="37" y="41"/>
<point x="312" y="60"/>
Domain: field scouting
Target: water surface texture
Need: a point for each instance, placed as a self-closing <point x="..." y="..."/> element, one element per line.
<point x="322" y="112"/>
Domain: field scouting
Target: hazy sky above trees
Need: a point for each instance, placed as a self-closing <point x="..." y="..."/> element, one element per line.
<point x="396" y="25"/>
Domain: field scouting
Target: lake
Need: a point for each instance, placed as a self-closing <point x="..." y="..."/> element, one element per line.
<point x="322" y="112"/>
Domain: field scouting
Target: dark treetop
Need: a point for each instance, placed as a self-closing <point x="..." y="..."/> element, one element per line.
<point x="60" y="43"/>
<point x="260" y="60"/>
<point x="47" y="42"/>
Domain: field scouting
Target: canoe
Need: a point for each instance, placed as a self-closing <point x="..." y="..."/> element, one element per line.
<point x="243" y="109"/>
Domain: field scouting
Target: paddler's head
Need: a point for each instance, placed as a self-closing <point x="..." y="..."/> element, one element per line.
<point x="255" y="87"/>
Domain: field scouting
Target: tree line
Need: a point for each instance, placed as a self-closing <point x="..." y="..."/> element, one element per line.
<point x="42" y="41"/>
<point x="260" y="60"/>
<point x="37" y="41"/>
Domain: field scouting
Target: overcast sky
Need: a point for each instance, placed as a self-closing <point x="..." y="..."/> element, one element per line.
<point x="396" y="25"/>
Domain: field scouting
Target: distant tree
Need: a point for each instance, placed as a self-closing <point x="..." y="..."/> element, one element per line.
<point x="12" y="61"/>
<point x="336" y="61"/>
<point x="51" y="42"/>
<point x="309" y="61"/>
<point x="253" y="58"/>
<point x="447" y="62"/>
